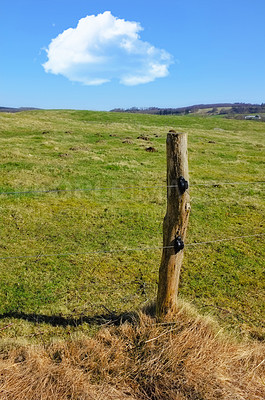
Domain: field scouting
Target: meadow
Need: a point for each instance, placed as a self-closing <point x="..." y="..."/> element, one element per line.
<point x="71" y="260"/>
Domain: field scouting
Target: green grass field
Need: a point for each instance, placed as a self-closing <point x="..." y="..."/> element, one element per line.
<point x="54" y="296"/>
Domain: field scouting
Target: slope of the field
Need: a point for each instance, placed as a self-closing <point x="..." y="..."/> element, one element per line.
<point x="43" y="150"/>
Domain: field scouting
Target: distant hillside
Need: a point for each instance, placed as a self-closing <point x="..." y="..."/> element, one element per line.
<point x="228" y="109"/>
<point x="14" y="110"/>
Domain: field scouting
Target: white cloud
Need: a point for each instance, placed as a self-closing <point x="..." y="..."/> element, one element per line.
<point x="103" y="48"/>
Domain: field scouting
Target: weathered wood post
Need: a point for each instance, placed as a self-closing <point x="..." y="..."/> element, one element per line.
<point x="175" y="224"/>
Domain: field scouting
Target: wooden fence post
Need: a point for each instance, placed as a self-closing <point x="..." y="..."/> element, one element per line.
<point x="175" y="224"/>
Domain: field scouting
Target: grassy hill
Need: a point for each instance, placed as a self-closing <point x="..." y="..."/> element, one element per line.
<point x="48" y="294"/>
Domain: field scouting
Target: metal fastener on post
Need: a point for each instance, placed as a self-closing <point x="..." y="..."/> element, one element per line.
<point x="182" y="184"/>
<point x="178" y="244"/>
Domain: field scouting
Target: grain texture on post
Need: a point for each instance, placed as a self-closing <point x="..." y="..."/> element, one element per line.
<point x="175" y="224"/>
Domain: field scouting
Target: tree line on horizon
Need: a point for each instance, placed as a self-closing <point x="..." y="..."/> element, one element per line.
<point x="215" y="109"/>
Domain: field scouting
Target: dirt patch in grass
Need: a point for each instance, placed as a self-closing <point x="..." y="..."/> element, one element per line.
<point x="142" y="137"/>
<point x="150" y="149"/>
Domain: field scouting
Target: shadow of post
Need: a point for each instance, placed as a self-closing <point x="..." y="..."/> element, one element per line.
<point x="110" y="318"/>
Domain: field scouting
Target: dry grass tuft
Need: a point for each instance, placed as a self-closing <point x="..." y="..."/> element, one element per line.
<point x="187" y="359"/>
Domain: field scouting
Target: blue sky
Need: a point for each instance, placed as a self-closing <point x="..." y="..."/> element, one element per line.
<point x="142" y="53"/>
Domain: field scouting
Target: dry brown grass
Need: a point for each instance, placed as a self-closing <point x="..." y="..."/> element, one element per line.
<point x="185" y="359"/>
